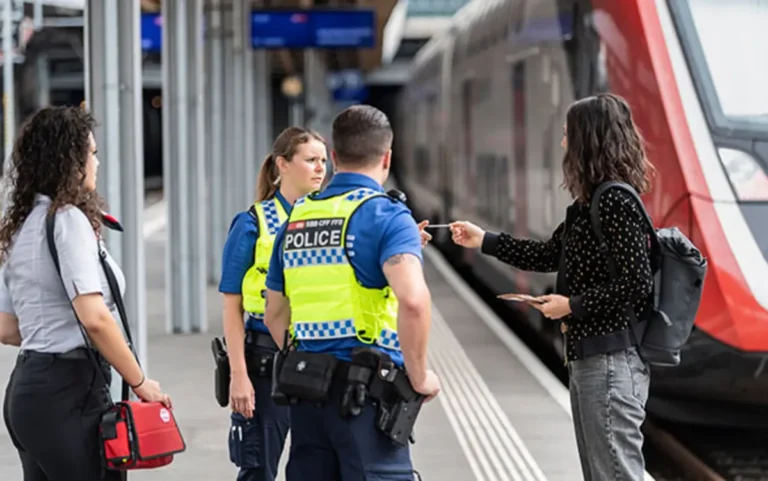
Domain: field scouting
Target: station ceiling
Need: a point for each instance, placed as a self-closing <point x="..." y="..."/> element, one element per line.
<point x="288" y="61"/>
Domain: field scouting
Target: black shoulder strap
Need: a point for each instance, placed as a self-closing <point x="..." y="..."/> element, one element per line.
<point x="594" y="215"/>
<point x="594" y="212"/>
<point x="50" y="225"/>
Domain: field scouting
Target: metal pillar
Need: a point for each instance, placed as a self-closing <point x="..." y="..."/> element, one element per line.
<point x="236" y="115"/>
<point x="251" y="146"/>
<point x="114" y="93"/>
<point x="217" y="222"/>
<point x="9" y="97"/>
<point x="262" y="86"/>
<point x="175" y="173"/>
<point x="43" y="80"/>
<point x="195" y="200"/>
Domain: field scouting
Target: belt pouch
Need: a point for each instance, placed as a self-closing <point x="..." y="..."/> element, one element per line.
<point x="307" y="376"/>
<point x="221" y="372"/>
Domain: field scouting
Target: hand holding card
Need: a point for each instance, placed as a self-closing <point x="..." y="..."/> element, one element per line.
<point x="521" y="298"/>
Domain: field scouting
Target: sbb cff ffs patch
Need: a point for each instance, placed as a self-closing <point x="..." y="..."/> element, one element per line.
<point x="313" y="234"/>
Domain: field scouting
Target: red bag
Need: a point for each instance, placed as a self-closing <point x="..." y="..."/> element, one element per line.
<point x="139" y="435"/>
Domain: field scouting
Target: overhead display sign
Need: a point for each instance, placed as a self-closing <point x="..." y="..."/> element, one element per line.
<point x="151" y="32"/>
<point x="327" y="28"/>
<point x="347" y="86"/>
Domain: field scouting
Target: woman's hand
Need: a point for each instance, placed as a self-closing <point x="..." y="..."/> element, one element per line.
<point x="467" y="234"/>
<point x="553" y="306"/>
<point x="425" y="236"/>
<point x="149" y="391"/>
<point x="242" y="397"/>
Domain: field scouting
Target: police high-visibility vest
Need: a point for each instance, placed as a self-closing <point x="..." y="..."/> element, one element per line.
<point x="327" y="301"/>
<point x="270" y="216"/>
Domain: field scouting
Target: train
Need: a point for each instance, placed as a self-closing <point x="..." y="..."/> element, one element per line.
<point x="478" y="131"/>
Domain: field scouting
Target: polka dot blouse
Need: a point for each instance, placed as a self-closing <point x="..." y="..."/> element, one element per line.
<point x="598" y="302"/>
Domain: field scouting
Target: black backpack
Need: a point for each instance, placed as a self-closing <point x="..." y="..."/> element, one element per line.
<point x="679" y="269"/>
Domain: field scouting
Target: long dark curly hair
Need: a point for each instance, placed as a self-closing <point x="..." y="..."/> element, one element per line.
<point x="603" y="145"/>
<point x="49" y="157"/>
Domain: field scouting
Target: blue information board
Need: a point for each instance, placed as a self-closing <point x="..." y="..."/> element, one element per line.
<point x="337" y="28"/>
<point x="347" y="86"/>
<point x="151" y="32"/>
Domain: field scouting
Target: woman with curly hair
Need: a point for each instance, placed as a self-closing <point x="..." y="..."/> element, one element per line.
<point x="55" y="396"/>
<point x="608" y="379"/>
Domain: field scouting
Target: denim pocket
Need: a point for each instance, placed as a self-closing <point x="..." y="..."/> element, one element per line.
<point x="639" y="374"/>
<point x="245" y="441"/>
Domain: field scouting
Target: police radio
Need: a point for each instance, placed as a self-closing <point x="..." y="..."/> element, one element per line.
<point x="396" y="194"/>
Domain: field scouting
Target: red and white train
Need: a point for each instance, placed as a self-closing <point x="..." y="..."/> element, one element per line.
<point x="479" y="130"/>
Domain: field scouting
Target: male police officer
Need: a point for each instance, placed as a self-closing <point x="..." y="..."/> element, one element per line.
<point x="346" y="274"/>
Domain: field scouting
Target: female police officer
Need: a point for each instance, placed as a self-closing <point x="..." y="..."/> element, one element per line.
<point x="259" y="427"/>
<point x="55" y="397"/>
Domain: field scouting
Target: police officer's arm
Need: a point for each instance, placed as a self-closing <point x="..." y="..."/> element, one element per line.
<point x="9" y="324"/>
<point x="405" y="276"/>
<point x="277" y="314"/>
<point x="237" y="258"/>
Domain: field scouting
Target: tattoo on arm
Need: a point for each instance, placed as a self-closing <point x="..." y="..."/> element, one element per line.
<point x="397" y="259"/>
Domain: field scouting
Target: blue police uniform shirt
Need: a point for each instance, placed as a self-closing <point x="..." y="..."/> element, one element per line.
<point x="385" y="227"/>
<point x="239" y="256"/>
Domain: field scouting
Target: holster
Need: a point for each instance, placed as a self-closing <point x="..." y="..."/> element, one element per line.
<point x="221" y="375"/>
<point x="372" y="373"/>
<point x="398" y="409"/>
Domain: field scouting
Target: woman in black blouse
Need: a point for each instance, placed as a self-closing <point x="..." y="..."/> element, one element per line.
<point x="608" y="379"/>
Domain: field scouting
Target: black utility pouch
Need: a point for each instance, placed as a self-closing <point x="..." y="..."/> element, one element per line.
<point x="307" y="375"/>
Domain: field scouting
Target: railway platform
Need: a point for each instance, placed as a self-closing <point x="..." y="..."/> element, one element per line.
<point x="501" y="415"/>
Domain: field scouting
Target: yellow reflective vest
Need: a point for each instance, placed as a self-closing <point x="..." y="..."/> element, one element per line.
<point x="270" y="216"/>
<point x="327" y="301"/>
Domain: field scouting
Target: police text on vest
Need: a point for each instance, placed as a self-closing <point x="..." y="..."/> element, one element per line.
<point x="311" y="234"/>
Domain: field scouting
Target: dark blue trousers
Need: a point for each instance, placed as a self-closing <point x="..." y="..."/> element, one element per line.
<point x="255" y="444"/>
<point x="327" y="447"/>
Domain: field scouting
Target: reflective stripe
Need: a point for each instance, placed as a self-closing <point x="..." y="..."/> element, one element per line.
<point x="314" y="257"/>
<point x="271" y="216"/>
<point x="317" y="331"/>
<point x="360" y="194"/>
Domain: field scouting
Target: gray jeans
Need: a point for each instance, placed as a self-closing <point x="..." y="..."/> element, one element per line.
<point x="608" y="396"/>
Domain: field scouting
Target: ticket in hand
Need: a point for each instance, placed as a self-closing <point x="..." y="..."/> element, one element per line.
<point x="520" y="298"/>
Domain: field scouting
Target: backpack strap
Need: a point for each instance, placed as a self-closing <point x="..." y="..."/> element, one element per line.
<point x="594" y="215"/>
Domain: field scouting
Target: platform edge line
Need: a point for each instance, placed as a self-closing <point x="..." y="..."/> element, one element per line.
<point x="477" y="453"/>
<point x="506" y="439"/>
<point x="523" y="354"/>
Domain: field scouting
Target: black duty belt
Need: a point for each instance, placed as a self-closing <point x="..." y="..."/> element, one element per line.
<point x="259" y="339"/>
<point x="78" y="354"/>
<point x="371" y="374"/>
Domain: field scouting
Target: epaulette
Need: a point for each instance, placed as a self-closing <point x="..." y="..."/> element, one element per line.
<point x="398" y="195"/>
<point x="111" y="223"/>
